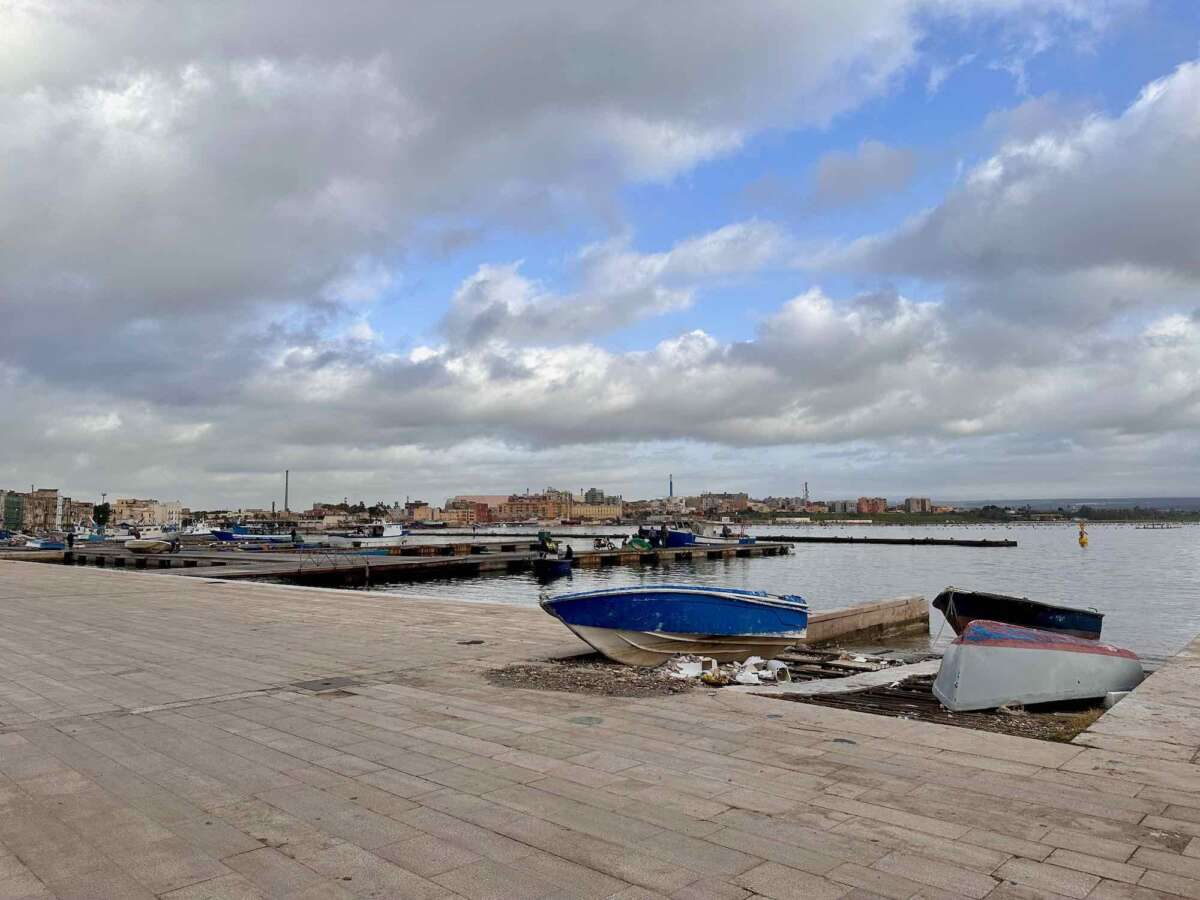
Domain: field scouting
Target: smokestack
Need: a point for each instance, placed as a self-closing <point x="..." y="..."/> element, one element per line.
<point x="671" y="486"/>
<point x="286" y="474"/>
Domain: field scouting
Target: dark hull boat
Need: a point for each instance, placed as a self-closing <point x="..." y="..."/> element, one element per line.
<point x="961" y="608"/>
<point x="548" y="567"/>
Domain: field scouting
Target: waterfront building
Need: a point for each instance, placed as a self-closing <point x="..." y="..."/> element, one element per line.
<point x="724" y="502"/>
<point x="461" y="511"/>
<point x="43" y="510"/>
<point x="492" y="501"/>
<point x="13" y="510"/>
<point x="133" y="511"/>
<point x="596" y="512"/>
<point x="520" y="507"/>
<point x="917" y="505"/>
<point x="77" y="513"/>
<point x="871" y="505"/>
<point x="418" y="511"/>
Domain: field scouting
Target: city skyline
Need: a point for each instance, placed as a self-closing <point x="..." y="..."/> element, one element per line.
<point x="923" y="247"/>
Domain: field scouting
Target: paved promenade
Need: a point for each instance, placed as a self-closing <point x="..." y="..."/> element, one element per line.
<point x="165" y="737"/>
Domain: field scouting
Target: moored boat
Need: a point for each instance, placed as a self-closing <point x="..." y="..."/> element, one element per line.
<point x="648" y="624"/>
<point x="679" y="537"/>
<point x="961" y="608"/>
<point x="242" y="533"/>
<point x="992" y="664"/>
<point x="32" y="543"/>
<point x="377" y="534"/>
<point x="148" y="545"/>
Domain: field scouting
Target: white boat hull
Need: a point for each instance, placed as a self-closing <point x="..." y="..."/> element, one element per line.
<point x="147" y="545"/>
<point x="652" y="648"/>
<point x="975" y="677"/>
<point x="336" y="540"/>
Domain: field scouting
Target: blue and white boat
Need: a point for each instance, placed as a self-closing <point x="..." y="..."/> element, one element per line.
<point x="648" y="624"/>
<point x="242" y="533"/>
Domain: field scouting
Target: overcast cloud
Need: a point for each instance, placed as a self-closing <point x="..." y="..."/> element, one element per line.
<point x="218" y="220"/>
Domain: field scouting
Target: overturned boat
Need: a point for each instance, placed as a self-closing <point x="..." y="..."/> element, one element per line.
<point x="993" y="664"/>
<point x="648" y="624"/>
<point x="961" y="608"/>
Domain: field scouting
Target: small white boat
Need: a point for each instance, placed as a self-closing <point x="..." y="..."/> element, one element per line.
<point x="992" y="664"/>
<point x="377" y="534"/>
<point x="147" y="545"/>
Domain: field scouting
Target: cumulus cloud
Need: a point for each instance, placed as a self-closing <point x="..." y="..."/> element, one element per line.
<point x="618" y="286"/>
<point x="1112" y="192"/>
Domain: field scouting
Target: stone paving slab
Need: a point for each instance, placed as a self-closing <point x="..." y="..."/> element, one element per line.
<point x="160" y="738"/>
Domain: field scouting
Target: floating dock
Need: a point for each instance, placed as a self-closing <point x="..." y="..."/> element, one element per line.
<point x="177" y="738"/>
<point x="905" y="542"/>
<point x="410" y="562"/>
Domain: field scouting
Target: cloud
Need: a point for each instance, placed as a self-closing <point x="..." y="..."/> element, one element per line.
<point x="940" y="71"/>
<point x="1112" y="192"/>
<point x="619" y="286"/>
<point x="202" y="213"/>
<point x="873" y="169"/>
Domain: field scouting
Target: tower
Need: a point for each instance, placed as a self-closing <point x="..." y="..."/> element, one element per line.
<point x="671" y="487"/>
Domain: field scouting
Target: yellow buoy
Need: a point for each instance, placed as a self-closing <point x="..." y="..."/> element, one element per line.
<point x="1083" y="538"/>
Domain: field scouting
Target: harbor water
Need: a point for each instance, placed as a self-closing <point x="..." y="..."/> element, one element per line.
<point x="1146" y="581"/>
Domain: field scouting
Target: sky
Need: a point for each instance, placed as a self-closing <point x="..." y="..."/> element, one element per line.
<point x="944" y="248"/>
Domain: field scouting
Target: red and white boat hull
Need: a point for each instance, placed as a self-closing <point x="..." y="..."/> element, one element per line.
<point x="993" y="663"/>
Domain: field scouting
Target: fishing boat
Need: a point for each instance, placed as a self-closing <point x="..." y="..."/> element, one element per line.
<point x="994" y="664"/>
<point x="961" y="608"/>
<point x="377" y="534"/>
<point x="33" y="543"/>
<point x="648" y="624"/>
<point x="679" y="537"/>
<point x="243" y="533"/>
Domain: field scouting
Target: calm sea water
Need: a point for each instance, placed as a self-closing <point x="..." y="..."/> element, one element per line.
<point x="1146" y="581"/>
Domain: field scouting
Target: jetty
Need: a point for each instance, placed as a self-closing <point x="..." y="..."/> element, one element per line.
<point x="183" y="738"/>
<point x="321" y="566"/>
<point x="900" y="541"/>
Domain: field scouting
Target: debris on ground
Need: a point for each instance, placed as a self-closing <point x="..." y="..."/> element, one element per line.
<point x="591" y="674"/>
<point x="913" y="699"/>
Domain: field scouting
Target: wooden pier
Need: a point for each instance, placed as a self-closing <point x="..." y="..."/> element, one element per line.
<point x="330" y="567"/>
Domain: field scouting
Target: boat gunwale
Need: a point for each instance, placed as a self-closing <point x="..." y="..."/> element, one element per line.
<point x="1064" y="642"/>
<point x="941" y="607"/>
<point x="759" y="598"/>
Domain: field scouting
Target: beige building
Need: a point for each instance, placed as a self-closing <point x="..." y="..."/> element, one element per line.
<point x="43" y="510"/>
<point x="77" y="512"/>
<point x="147" y="512"/>
<point x="595" y="512"/>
